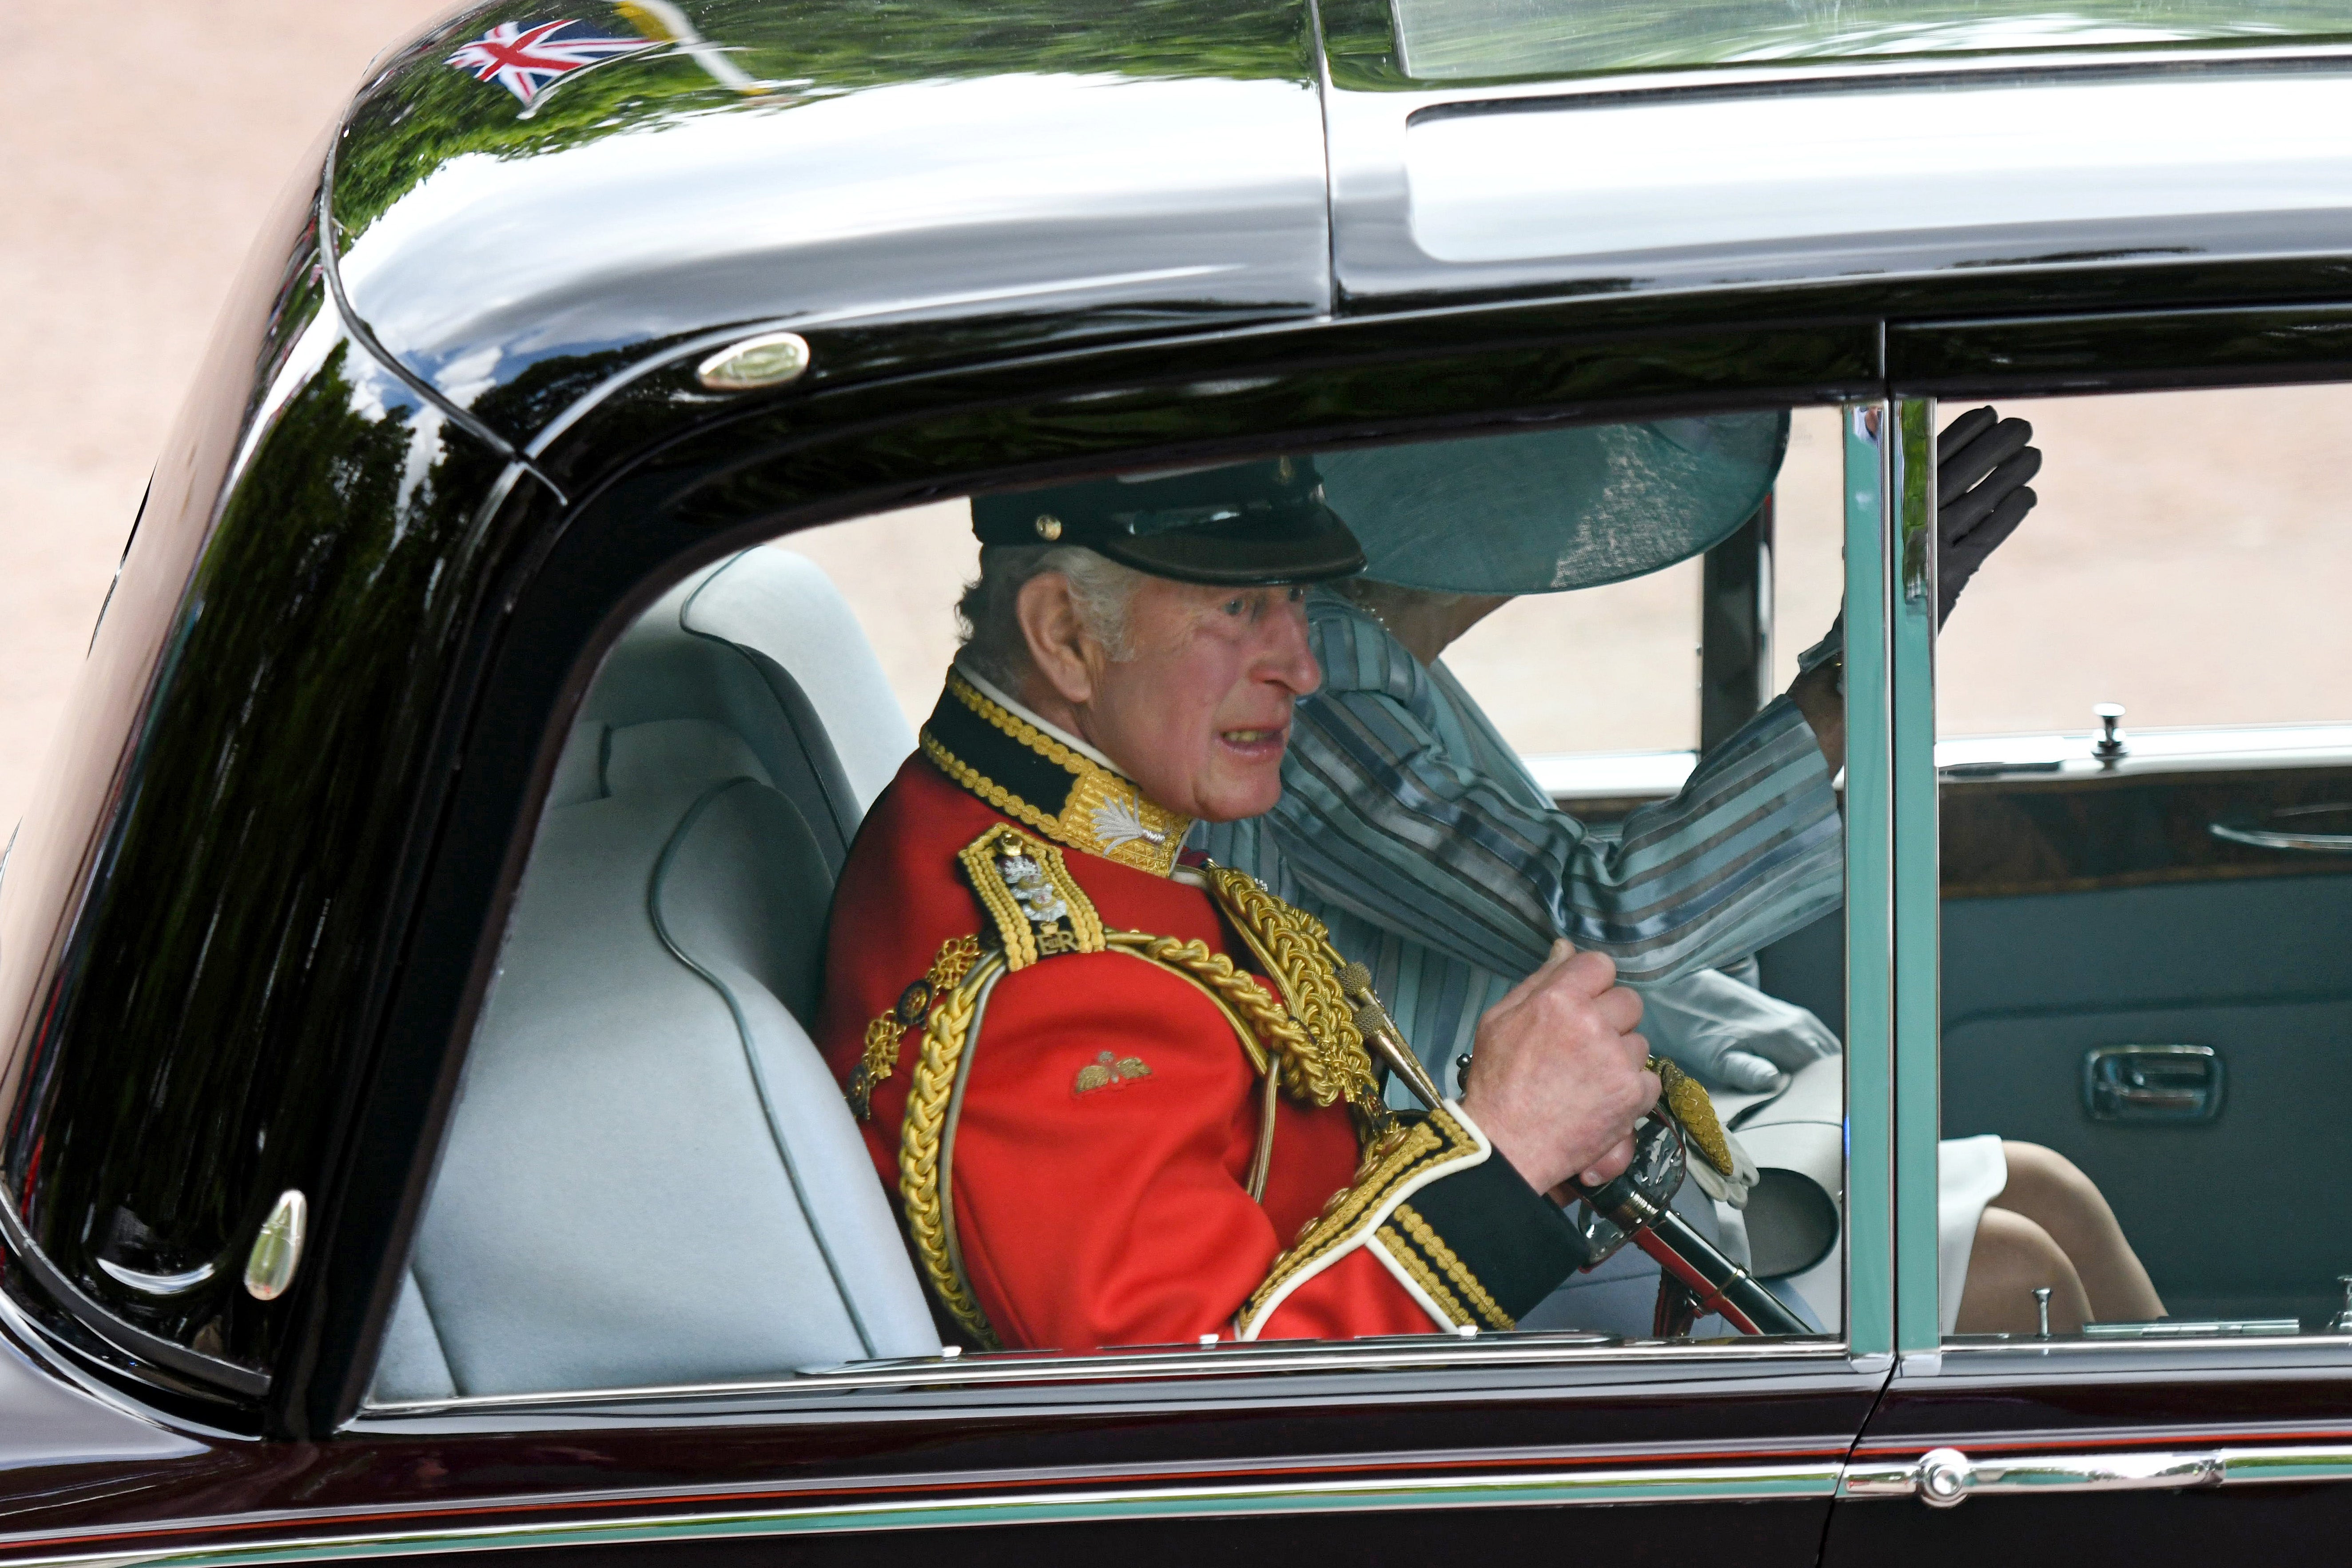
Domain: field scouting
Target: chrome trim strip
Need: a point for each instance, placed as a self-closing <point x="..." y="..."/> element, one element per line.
<point x="2044" y="1354"/>
<point x="2068" y="1471"/>
<point x="1227" y="1361"/>
<point x="1943" y="1477"/>
<point x="2242" y="1467"/>
<point x="1710" y="1483"/>
<point x="125" y="1338"/>
<point x="1470" y="93"/>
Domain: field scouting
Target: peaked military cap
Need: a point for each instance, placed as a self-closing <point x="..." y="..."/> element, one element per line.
<point x="1258" y="524"/>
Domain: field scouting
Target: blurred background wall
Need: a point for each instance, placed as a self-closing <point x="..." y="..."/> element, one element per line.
<point x="143" y="144"/>
<point x="2188" y="558"/>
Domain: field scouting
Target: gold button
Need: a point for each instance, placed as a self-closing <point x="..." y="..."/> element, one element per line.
<point x="1282" y="471"/>
<point x="1049" y="527"/>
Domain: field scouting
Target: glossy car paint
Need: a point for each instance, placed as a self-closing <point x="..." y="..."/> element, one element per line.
<point x="256" y="910"/>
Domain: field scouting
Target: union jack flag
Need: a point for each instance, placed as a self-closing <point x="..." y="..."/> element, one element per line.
<point x="526" y="60"/>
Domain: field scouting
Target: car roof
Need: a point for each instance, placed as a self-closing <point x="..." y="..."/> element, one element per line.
<point x="935" y="181"/>
<point x="972" y="177"/>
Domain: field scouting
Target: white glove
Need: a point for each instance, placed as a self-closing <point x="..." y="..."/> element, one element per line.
<point x="1730" y="1035"/>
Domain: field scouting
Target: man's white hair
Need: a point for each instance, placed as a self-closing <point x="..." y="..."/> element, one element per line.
<point x="989" y="613"/>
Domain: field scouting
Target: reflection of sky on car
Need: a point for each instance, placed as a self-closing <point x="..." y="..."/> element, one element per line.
<point x="796" y="212"/>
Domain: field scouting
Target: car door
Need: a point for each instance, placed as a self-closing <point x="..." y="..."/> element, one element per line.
<point x="2122" y="906"/>
<point x="1391" y="1449"/>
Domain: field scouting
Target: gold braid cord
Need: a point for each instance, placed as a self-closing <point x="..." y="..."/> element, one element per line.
<point x="1276" y="1031"/>
<point x="1392" y="1168"/>
<point x="1331" y="1062"/>
<point x="1435" y="1267"/>
<point x="930" y="1092"/>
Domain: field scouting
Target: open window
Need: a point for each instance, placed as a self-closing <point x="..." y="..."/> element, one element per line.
<point x="653" y="1175"/>
<point x="2145" y="748"/>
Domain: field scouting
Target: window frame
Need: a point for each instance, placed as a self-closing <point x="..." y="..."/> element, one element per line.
<point x="715" y="491"/>
<point x="1930" y="363"/>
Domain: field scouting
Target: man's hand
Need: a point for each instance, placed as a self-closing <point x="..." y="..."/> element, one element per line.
<point x="1560" y="1078"/>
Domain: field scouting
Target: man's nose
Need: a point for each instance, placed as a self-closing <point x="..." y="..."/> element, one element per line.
<point x="1288" y="659"/>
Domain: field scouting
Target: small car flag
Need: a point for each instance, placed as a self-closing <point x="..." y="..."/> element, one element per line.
<point x="525" y="59"/>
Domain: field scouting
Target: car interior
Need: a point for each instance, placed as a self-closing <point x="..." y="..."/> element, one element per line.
<point x="642" y="1083"/>
<point x="2141" y="959"/>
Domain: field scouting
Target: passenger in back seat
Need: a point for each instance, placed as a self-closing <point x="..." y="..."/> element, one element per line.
<point x="1411" y="826"/>
<point x="1123" y="1099"/>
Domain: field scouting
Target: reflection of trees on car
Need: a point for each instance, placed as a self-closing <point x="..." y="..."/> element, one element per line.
<point x="415" y="121"/>
<point x="350" y="509"/>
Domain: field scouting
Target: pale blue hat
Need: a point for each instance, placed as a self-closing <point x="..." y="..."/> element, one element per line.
<point x="1546" y="510"/>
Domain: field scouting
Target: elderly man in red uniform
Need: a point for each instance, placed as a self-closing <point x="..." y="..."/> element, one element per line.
<point x="1124" y="1100"/>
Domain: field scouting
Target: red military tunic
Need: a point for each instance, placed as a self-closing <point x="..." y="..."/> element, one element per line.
<point x="1078" y="1173"/>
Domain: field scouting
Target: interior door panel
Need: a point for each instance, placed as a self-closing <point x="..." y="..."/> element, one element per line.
<point x="2101" y="912"/>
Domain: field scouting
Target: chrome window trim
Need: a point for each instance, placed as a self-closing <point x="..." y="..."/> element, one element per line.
<point x="2041" y="754"/>
<point x="1367" y="118"/>
<point x="1871" y="853"/>
<point x="2049" y="1355"/>
<point x="1414" y="1353"/>
<point x="1725" y="1482"/>
<point x="1611" y="775"/>
<point x="1908" y="585"/>
<point x="1427" y="93"/>
<point x="1965" y="760"/>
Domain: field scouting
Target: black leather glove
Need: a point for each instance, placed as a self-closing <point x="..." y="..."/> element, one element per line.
<point x="1982" y="462"/>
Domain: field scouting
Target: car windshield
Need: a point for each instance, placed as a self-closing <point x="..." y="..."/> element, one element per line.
<point x="1448" y="39"/>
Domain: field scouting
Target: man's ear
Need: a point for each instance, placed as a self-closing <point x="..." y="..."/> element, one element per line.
<point x="1056" y="635"/>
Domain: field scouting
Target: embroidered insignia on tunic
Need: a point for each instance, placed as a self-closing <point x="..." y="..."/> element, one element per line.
<point x="1071" y="798"/>
<point x="1037" y="907"/>
<point x="1106" y="1072"/>
<point x="880" y="1057"/>
<point x="1117" y="821"/>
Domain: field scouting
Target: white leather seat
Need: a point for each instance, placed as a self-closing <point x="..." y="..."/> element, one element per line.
<point x="650" y="1177"/>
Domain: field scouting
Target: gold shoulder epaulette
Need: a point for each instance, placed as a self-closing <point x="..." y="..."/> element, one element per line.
<point x="1038" y="908"/>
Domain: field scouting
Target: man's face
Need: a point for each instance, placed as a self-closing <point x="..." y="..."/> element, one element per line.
<point x="1200" y="715"/>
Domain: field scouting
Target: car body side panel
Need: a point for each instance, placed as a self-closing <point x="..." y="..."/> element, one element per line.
<point x="2077" y="1402"/>
<point x="1744" y="1443"/>
<point x="220" y="883"/>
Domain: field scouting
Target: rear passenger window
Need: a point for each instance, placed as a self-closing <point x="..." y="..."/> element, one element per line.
<point x="779" y="1071"/>
<point x="2145" y="740"/>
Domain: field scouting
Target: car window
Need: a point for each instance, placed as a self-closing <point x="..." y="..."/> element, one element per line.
<point x="1447" y="38"/>
<point x="1600" y="690"/>
<point x="856" y="1007"/>
<point x="2146" y="750"/>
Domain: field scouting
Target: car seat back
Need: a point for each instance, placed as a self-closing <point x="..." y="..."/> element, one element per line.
<point x="650" y="1176"/>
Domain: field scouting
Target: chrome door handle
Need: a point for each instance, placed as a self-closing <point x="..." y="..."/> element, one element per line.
<point x="2152" y="1083"/>
<point x="1943" y="1478"/>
